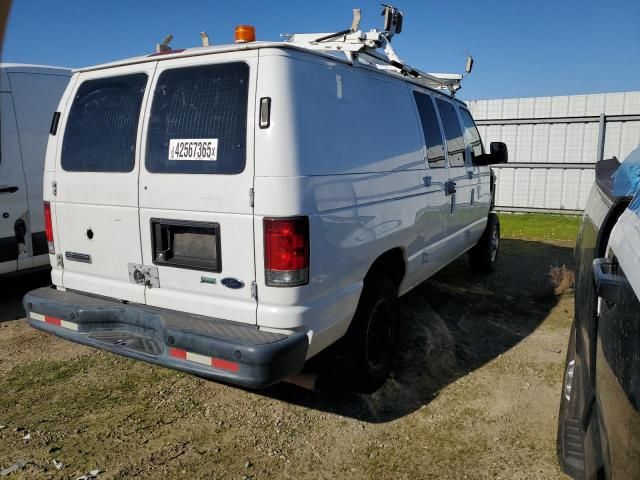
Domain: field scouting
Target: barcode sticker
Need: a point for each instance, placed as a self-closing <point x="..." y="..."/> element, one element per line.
<point x="193" y="149"/>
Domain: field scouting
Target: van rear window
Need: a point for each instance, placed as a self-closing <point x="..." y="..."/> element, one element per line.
<point x="452" y="132"/>
<point x="471" y="134"/>
<point x="100" y="135"/>
<point x="431" y="130"/>
<point x="198" y="120"/>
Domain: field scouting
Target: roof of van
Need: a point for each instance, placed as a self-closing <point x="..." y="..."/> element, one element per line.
<point x="30" y="68"/>
<point x="194" y="51"/>
<point x="234" y="47"/>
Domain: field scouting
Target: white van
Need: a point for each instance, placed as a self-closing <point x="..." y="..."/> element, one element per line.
<point x="233" y="210"/>
<point x="29" y="95"/>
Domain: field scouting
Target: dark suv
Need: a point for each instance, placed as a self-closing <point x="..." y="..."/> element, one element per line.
<point x="599" y="421"/>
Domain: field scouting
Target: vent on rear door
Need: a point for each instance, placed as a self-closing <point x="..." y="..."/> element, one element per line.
<point x="185" y="244"/>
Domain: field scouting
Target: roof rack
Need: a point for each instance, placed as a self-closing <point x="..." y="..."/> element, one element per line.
<point x="373" y="48"/>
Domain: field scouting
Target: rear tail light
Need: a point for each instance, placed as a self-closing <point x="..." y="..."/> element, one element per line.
<point x="48" y="227"/>
<point x="286" y="251"/>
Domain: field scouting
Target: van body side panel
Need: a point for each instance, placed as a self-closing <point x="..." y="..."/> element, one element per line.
<point x="54" y="144"/>
<point x="344" y="148"/>
<point x="479" y="180"/>
<point x="13" y="204"/>
<point x="201" y="98"/>
<point x="96" y="206"/>
<point x="345" y="240"/>
<point x="35" y="96"/>
<point x="438" y="247"/>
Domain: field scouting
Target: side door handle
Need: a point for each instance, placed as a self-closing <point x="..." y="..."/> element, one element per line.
<point x="8" y="189"/>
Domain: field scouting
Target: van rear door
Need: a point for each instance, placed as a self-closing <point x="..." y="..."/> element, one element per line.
<point x="96" y="181"/>
<point x="196" y="179"/>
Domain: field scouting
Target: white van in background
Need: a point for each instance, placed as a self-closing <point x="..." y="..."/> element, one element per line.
<point x="233" y="210"/>
<point x="29" y="95"/>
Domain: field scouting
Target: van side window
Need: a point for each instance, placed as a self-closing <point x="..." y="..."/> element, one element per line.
<point x="100" y="135"/>
<point x="205" y="102"/>
<point x="471" y="134"/>
<point x="452" y="132"/>
<point x="431" y="130"/>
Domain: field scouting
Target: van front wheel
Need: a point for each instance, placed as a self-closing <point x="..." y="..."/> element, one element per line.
<point x="484" y="255"/>
<point x="372" y="337"/>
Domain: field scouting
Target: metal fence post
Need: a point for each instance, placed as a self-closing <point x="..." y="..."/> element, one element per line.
<point x="601" y="137"/>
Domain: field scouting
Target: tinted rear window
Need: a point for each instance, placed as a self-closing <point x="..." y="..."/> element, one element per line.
<point x="100" y="135"/>
<point x="206" y="102"/>
<point x="431" y="130"/>
<point x="452" y="132"/>
<point x="471" y="134"/>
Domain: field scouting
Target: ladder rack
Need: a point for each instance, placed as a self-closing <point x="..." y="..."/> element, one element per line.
<point x="373" y="48"/>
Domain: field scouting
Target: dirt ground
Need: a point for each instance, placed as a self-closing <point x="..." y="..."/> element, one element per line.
<point x="475" y="395"/>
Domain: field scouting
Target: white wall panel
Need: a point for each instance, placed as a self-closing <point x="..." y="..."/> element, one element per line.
<point x="554" y="187"/>
<point x="540" y="146"/>
<point x="557" y="143"/>
<point x="613" y="140"/>
<point x="537" y="188"/>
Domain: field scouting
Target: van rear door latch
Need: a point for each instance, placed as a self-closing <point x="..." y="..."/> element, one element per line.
<point x="144" y="275"/>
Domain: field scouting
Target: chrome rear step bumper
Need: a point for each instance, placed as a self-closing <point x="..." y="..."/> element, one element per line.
<point x="210" y="347"/>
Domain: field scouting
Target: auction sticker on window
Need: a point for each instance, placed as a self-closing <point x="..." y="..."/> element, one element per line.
<point x="193" y="149"/>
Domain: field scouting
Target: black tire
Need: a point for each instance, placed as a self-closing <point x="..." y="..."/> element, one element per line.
<point x="483" y="256"/>
<point x="371" y="340"/>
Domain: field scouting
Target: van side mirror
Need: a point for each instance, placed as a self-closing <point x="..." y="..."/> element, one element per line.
<point x="498" y="154"/>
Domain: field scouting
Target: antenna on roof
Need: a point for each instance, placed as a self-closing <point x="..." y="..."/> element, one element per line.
<point x="363" y="48"/>
<point x="469" y="66"/>
<point x="355" y="25"/>
<point x="392" y="19"/>
<point x="164" y="46"/>
<point x="355" y="22"/>
<point x="205" y="39"/>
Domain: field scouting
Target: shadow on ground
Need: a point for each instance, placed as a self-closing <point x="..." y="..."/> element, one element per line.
<point x="13" y="288"/>
<point x="451" y="325"/>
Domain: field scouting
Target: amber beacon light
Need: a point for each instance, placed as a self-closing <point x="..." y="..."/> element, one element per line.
<point x="245" y="33"/>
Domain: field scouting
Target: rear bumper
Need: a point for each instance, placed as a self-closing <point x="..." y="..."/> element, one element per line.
<point x="214" y="348"/>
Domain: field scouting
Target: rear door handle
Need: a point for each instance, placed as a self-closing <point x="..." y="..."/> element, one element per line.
<point x="7" y="189"/>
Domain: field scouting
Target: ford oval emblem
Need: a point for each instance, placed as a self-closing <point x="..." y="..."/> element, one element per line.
<point x="232" y="283"/>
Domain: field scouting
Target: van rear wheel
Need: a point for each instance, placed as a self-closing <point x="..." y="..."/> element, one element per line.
<point x="484" y="255"/>
<point x="372" y="337"/>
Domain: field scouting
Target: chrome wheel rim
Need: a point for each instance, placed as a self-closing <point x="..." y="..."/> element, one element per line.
<point x="495" y="243"/>
<point x="568" y="379"/>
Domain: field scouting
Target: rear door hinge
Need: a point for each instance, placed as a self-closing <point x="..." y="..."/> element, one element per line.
<point x="59" y="260"/>
<point x="254" y="290"/>
<point x="251" y="197"/>
<point x="54" y="188"/>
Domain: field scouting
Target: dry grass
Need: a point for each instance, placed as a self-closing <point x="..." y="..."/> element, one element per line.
<point x="561" y="278"/>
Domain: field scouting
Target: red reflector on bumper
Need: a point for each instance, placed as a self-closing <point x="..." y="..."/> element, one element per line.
<point x="178" y="353"/>
<point x="52" y="320"/>
<point x="204" y="360"/>
<point x="224" y="364"/>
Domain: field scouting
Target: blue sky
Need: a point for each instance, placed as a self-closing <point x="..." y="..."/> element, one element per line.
<point x="521" y="48"/>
